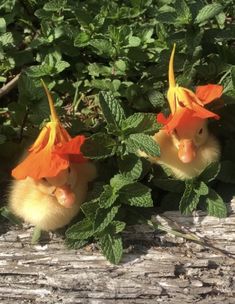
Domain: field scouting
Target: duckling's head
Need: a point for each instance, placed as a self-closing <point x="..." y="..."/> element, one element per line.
<point x="188" y="138"/>
<point x="61" y="186"/>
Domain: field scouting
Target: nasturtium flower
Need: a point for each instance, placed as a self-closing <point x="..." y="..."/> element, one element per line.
<point x="184" y="103"/>
<point x="53" y="150"/>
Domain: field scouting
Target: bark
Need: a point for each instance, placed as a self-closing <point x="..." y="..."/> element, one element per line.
<point x="156" y="268"/>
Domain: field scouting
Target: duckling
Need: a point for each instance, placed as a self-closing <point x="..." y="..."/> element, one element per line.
<point x="188" y="150"/>
<point x="51" y="203"/>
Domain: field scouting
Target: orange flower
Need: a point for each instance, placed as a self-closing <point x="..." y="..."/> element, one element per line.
<point x="52" y="151"/>
<point x="184" y="102"/>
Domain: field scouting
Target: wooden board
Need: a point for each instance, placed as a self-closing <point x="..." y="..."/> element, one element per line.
<point x="156" y="268"/>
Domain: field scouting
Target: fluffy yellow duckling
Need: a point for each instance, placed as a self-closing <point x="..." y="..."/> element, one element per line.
<point x="187" y="147"/>
<point x="51" y="181"/>
<point x="51" y="203"/>
<point x="187" y="151"/>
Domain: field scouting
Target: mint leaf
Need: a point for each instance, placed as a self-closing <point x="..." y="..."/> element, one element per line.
<point x="108" y="197"/>
<point x="112" y="110"/>
<point x="111" y="247"/>
<point x="89" y="208"/>
<point x="140" y="123"/>
<point x="210" y="172"/>
<point x="215" y="205"/>
<point x="136" y="194"/>
<point x="116" y="227"/>
<point x="119" y="181"/>
<point x="169" y="184"/>
<point x="209" y="11"/>
<point x="131" y="166"/>
<point x="81" y="230"/>
<point x="104" y="217"/>
<point x="99" y="146"/>
<point x="189" y="200"/>
<point x="145" y="143"/>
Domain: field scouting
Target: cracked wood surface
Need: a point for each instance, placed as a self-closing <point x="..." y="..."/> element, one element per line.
<point x="156" y="267"/>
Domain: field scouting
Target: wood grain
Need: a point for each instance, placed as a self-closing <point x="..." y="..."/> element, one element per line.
<point x="156" y="268"/>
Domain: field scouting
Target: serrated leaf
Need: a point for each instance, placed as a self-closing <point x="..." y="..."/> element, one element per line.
<point x="227" y="172"/>
<point x="156" y="98"/>
<point x="111" y="247"/>
<point x="131" y="166"/>
<point x="102" y="46"/>
<point x="55" y="5"/>
<point x="201" y="189"/>
<point x="89" y="208"/>
<point x="215" y="205"/>
<point x="140" y="123"/>
<point x="184" y="15"/>
<point x="61" y="65"/>
<point x="39" y="70"/>
<point x="141" y="142"/>
<point x="82" y="39"/>
<point x="136" y="194"/>
<point x="210" y="172"/>
<point x="112" y="110"/>
<point x="99" y="146"/>
<point x="119" y="181"/>
<point x="6" y="39"/>
<point x="189" y="200"/>
<point x="134" y="41"/>
<point x="104" y="217"/>
<point x="209" y="11"/>
<point x="116" y="227"/>
<point x="2" y="25"/>
<point x="108" y="197"/>
<point x="81" y="230"/>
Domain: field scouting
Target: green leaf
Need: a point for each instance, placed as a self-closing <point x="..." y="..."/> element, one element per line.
<point x="99" y="146"/>
<point x="184" y="15"/>
<point x="111" y="247"/>
<point x="112" y="110"/>
<point x="39" y="70"/>
<point x="89" y="208"/>
<point x="140" y="123"/>
<point x="116" y="227"/>
<point x="134" y="41"/>
<point x="81" y="230"/>
<point x="55" y="5"/>
<point x="119" y="181"/>
<point x="6" y="39"/>
<point x="141" y="142"/>
<point x="102" y="46"/>
<point x="2" y="25"/>
<point x="227" y="172"/>
<point x="210" y="172"/>
<point x="61" y="65"/>
<point x="215" y="205"/>
<point x="209" y="11"/>
<point x="104" y="217"/>
<point x="156" y="98"/>
<point x="82" y="39"/>
<point x="201" y="189"/>
<point x="131" y="166"/>
<point x="189" y="200"/>
<point x="108" y="197"/>
<point x="136" y="194"/>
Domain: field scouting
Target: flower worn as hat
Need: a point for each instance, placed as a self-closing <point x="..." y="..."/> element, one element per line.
<point x="184" y="103"/>
<point x="53" y="150"/>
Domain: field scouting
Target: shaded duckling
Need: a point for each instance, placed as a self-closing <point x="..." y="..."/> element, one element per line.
<point x="51" y="203"/>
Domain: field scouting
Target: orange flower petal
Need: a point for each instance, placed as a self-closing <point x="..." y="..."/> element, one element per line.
<point x="41" y="164"/>
<point x="181" y="117"/>
<point x="162" y="119"/>
<point x="208" y="93"/>
<point x="204" y="113"/>
<point x="72" y="149"/>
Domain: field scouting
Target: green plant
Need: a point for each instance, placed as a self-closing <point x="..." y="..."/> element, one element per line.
<point x="106" y="62"/>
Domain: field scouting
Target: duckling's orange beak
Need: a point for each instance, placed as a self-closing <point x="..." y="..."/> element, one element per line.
<point x="65" y="196"/>
<point x="187" y="150"/>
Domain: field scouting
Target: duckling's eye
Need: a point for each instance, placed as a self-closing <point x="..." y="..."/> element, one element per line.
<point x="44" y="179"/>
<point x="69" y="170"/>
<point x="200" y="131"/>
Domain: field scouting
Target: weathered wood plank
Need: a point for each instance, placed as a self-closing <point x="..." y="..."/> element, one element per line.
<point x="156" y="268"/>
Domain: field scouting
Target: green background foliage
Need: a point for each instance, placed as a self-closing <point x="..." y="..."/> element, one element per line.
<point x="106" y="64"/>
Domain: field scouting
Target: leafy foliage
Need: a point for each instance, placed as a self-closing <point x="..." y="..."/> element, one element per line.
<point x="106" y="63"/>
